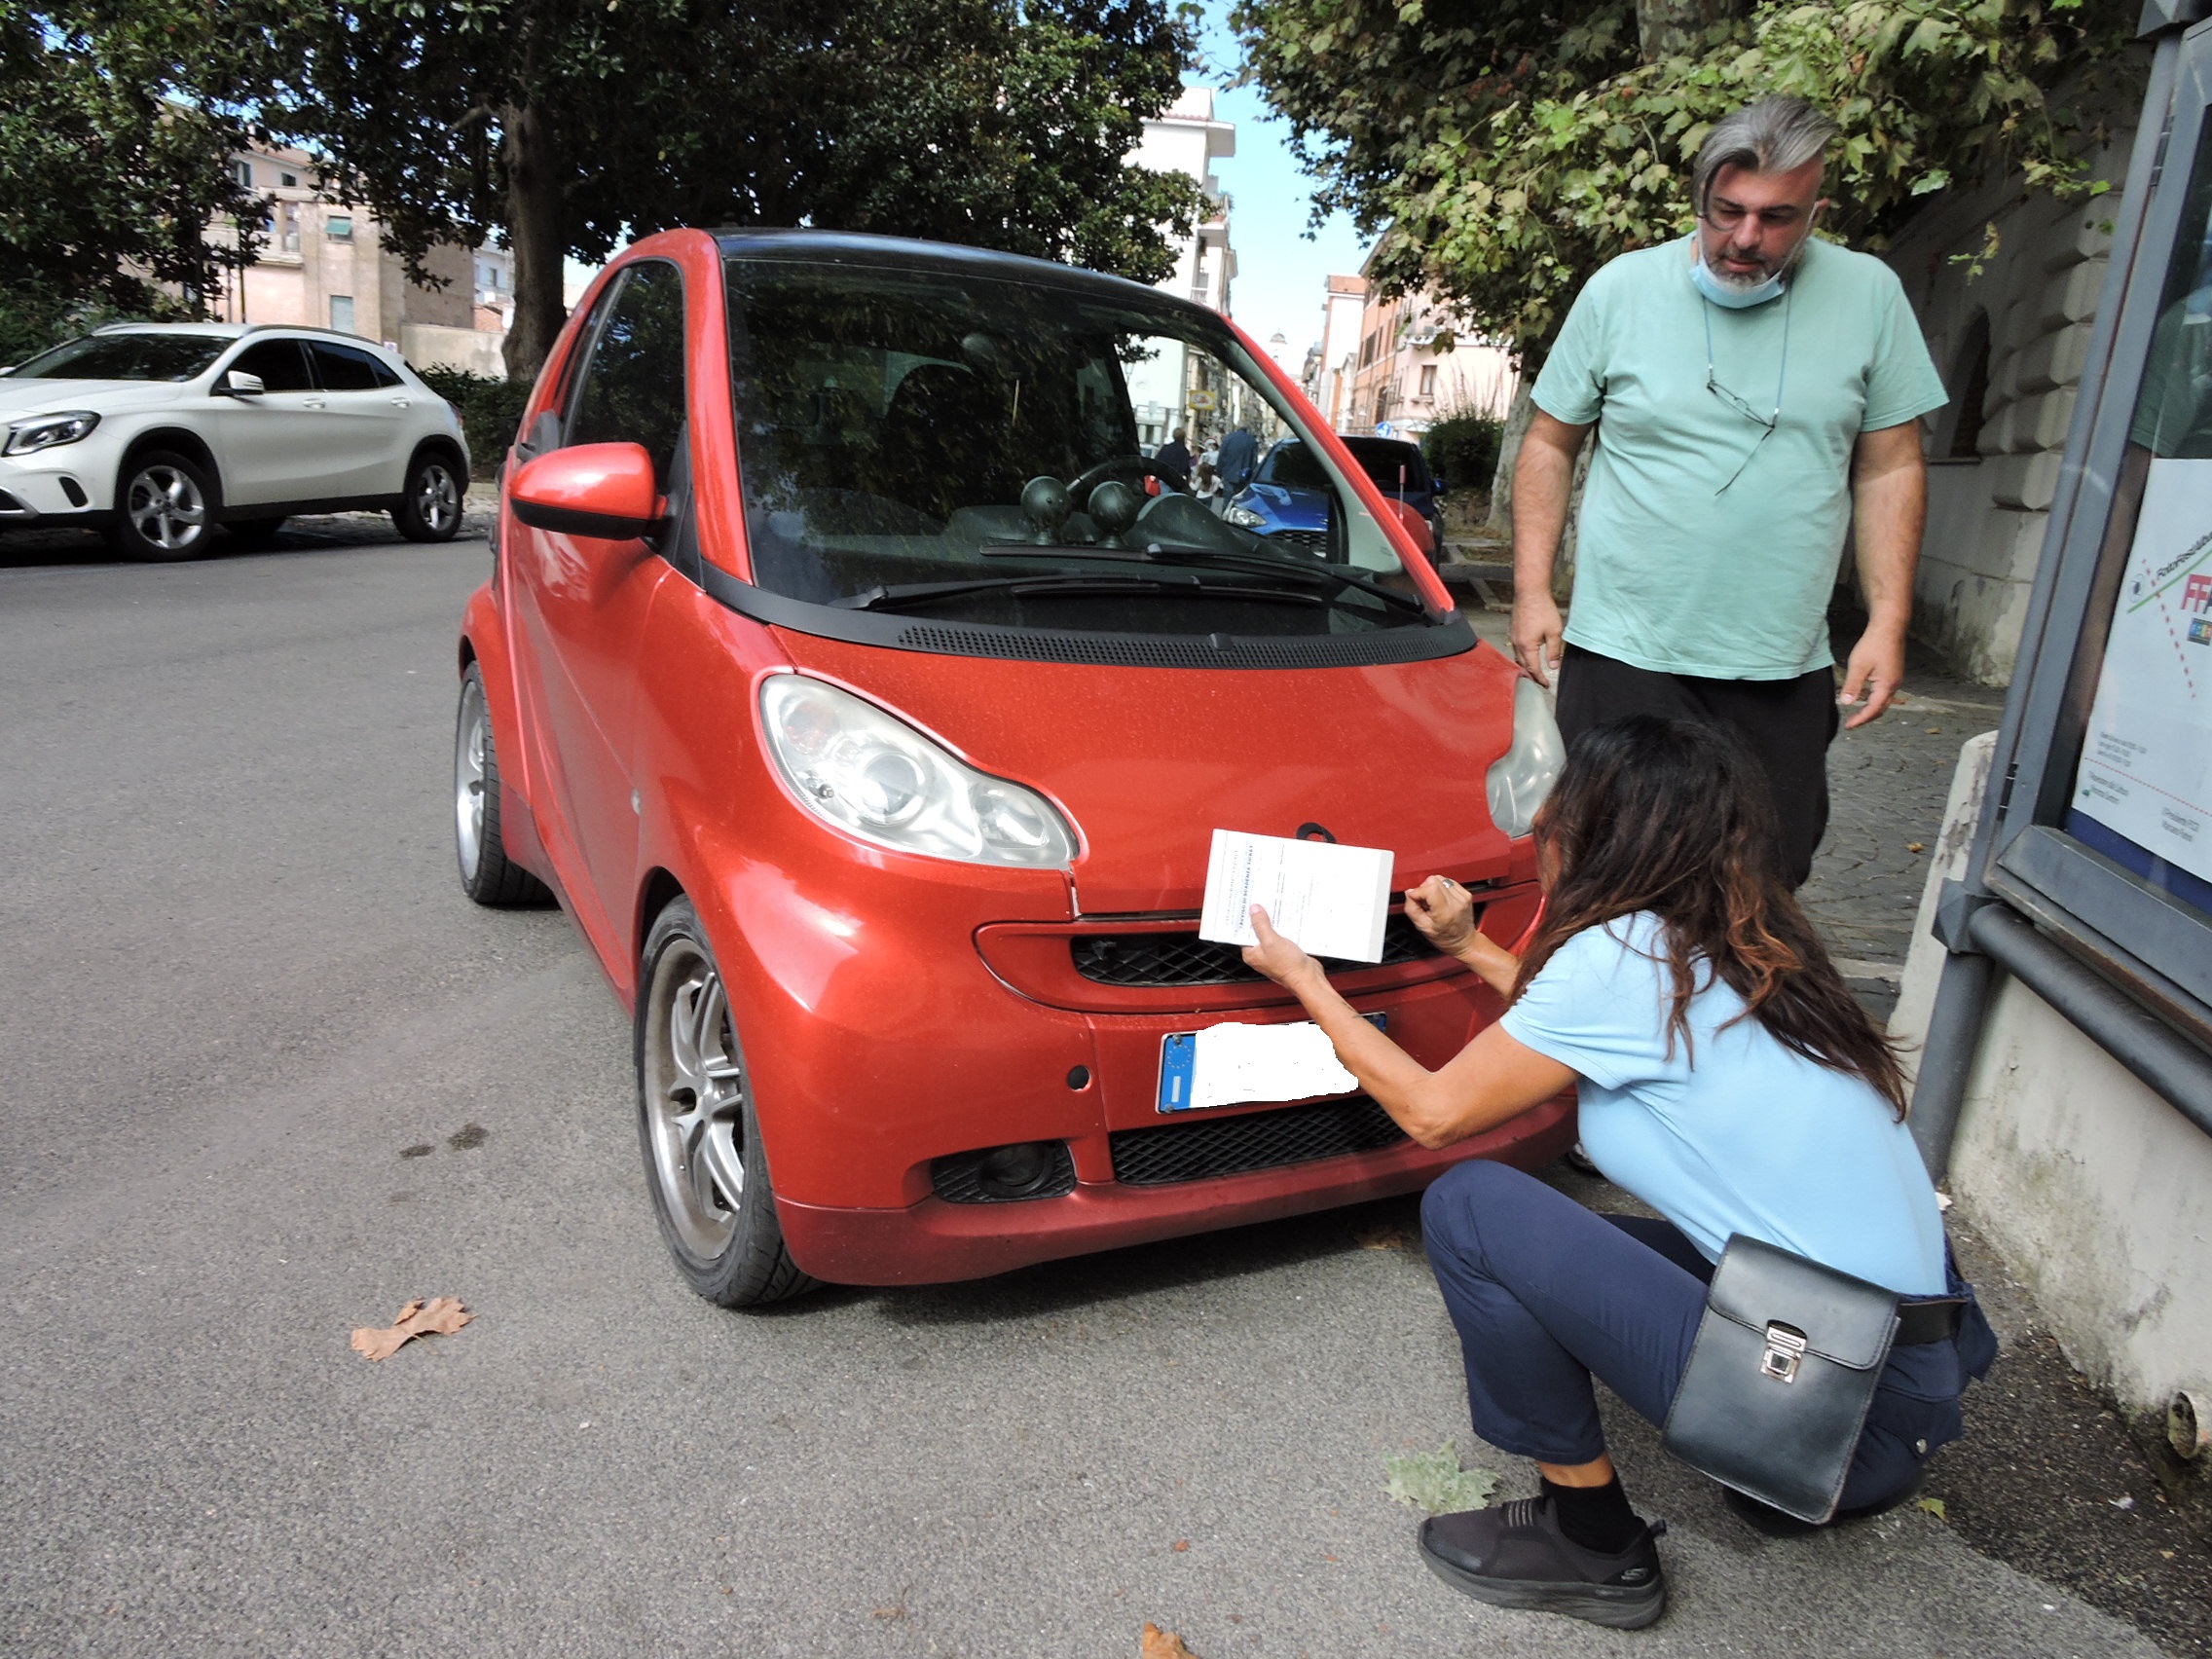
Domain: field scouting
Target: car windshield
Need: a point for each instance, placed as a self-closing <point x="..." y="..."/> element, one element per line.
<point x="127" y="357"/>
<point x="1294" y="467"/>
<point x="1393" y="465"/>
<point x="977" y="448"/>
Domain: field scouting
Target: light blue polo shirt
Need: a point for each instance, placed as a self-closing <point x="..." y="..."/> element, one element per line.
<point x="1746" y="1136"/>
<point x="1670" y="575"/>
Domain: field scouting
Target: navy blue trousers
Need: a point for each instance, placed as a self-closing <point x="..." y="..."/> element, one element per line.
<point x="1547" y="1295"/>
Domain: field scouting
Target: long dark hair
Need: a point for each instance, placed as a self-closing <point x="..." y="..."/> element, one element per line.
<point x="1673" y="816"/>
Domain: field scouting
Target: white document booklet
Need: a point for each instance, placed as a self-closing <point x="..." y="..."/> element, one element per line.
<point x="1332" y="901"/>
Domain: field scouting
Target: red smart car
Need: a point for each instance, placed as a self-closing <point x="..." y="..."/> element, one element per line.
<point x="845" y="680"/>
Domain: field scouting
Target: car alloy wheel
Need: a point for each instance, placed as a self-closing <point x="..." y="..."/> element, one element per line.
<point x="695" y="1101"/>
<point x="430" y="501"/>
<point x="166" y="508"/>
<point x="437" y="499"/>
<point x="700" y="1134"/>
<point x="487" y="874"/>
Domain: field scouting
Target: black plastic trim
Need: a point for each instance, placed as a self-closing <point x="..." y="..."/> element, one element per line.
<point x="570" y="521"/>
<point x="1420" y="643"/>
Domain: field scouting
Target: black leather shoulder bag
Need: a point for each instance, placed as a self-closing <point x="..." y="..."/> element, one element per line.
<point x="1781" y="1377"/>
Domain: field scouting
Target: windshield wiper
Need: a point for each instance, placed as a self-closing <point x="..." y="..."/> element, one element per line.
<point x="896" y="598"/>
<point x="1313" y="577"/>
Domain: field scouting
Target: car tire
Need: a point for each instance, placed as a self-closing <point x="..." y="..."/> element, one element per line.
<point x="487" y="874"/>
<point x="697" y="1126"/>
<point x="163" y="507"/>
<point x="255" y="532"/>
<point x="431" y="499"/>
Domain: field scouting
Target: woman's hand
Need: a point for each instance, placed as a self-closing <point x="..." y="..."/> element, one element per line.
<point x="1280" y="959"/>
<point x="1444" y="911"/>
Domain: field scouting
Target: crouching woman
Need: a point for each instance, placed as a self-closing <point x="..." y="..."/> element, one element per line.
<point x="1728" y="1079"/>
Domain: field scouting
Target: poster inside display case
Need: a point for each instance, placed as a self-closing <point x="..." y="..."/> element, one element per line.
<point x="2143" y="791"/>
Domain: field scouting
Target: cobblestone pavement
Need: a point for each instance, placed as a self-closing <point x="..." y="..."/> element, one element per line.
<point x="1887" y="786"/>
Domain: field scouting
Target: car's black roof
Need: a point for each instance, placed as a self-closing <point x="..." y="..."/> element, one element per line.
<point x="850" y="248"/>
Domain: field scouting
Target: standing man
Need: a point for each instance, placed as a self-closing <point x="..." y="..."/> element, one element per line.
<point x="1752" y="389"/>
<point x="1239" y="457"/>
<point x="1173" y="457"/>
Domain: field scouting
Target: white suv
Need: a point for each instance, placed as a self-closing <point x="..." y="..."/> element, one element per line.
<point x="156" y="432"/>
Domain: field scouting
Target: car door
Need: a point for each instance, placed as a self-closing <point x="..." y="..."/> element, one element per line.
<point x="581" y="602"/>
<point x="271" y="446"/>
<point x="367" y="412"/>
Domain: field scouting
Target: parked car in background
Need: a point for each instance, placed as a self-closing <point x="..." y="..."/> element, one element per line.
<point x="838" y="676"/>
<point x="1288" y="497"/>
<point x="159" y="432"/>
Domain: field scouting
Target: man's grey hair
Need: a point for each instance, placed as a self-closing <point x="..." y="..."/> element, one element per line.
<point x="1776" y="134"/>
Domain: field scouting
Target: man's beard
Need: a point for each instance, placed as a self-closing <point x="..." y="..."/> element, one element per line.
<point x="1743" y="284"/>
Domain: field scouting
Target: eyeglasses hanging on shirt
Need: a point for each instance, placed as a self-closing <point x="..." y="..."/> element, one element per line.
<point x="1765" y="423"/>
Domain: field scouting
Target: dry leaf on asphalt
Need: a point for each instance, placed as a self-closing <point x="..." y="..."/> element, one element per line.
<point x="441" y="1316"/>
<point x="1163" y="1644"/>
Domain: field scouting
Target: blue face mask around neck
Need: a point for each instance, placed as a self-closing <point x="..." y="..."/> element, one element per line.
<point x="1728" y="295"/>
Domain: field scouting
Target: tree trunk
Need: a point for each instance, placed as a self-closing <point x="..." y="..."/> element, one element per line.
<point x="1518" y="419"/>
<point x="534" y="234"/>
<point x="1667" y="28"/>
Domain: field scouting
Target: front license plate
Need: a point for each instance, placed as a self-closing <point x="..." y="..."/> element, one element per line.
<point x="1178" y="1067"/>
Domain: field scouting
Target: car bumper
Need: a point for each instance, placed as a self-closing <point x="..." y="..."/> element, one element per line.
<point x="932" y="1241"/>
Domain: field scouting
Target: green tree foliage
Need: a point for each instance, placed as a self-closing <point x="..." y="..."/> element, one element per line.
<point x="111" y="163"/>
<point x="1513" y="146"/>
<point x="567" y="127"/>
<point x="1464" y="447"/>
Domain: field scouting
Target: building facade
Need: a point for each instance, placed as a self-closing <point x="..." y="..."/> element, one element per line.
<point x="1414" y="363"/>
<point x="322" y="263"/>
<point x="1178" y="388"/>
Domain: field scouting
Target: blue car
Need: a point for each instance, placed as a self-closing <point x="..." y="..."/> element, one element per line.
<point x="1288" y="497"/>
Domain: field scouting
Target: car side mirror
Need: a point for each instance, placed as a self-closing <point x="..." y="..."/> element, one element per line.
<point x="606" y="491"/>
<point x="1414" y="524"/>
<point x="236" y="383"/>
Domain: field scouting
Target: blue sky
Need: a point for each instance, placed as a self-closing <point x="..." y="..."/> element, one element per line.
<point x="1280" y="275"/>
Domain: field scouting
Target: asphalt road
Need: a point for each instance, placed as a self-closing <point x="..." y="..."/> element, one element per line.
<point x="239" y="984"/>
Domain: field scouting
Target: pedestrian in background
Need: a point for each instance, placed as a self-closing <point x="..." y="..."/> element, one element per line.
<point x="1240" y="459"/>
<point x="1173" y="459"/>
<point x="1752" y="388"/>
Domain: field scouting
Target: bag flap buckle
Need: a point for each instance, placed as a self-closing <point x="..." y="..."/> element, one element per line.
<point x="1785" y="1348"/>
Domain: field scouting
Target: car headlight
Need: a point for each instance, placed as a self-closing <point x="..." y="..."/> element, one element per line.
<point x="49" y="431"/>
<point x="1520" y="776"/>
<point x="1244" y="518"/>
<point x="864" y="771"/>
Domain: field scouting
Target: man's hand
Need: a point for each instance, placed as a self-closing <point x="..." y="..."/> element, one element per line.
<point x="1873" y="674"/>
<point x="1537" y="631"/>
<point x="1280" y="959"/>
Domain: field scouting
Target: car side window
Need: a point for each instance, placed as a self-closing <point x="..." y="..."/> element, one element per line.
<point x="343" y="368"/>
<point x="632" y="390"/>
<point x="280" y="365"/>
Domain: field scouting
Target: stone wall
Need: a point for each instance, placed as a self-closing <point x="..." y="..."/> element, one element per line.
<point x="2018" y="329"/>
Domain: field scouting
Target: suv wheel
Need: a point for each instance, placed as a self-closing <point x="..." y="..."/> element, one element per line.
<point x="430" y="500"/>
<point x="162" y="507"/>
<point x="695" y="1118"/>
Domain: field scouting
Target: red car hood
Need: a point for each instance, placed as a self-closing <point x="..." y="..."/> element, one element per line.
<point x="1147" y="762"/>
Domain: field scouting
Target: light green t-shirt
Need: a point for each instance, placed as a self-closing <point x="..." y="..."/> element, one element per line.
<point x="1734" y="585"/>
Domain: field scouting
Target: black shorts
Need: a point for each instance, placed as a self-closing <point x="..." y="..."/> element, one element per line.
<point x="1788" y="725"/>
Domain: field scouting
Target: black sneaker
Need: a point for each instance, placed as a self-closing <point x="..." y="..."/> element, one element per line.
<point x="1515" y="1556"/>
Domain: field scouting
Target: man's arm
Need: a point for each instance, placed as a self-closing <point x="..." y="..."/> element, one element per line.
<point x="1889" y="483"/>
<point x="1543" y="478"/>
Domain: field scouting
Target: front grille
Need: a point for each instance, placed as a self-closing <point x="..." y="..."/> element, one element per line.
<point x="1172" y="1153"/>
<point x="1316" y="539"/>
<point x="9" y="507"/>
<point x="1185" y="959"/>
